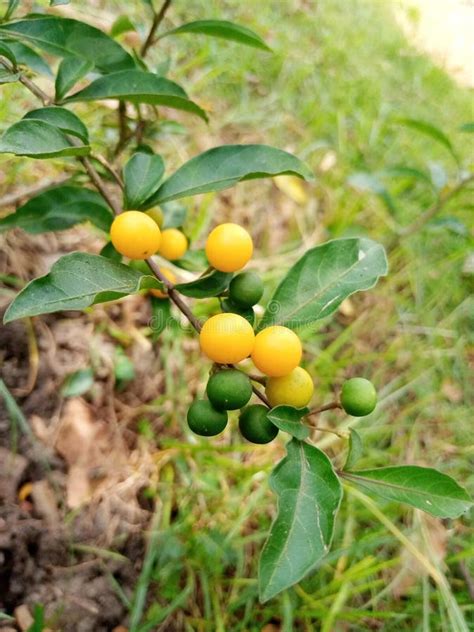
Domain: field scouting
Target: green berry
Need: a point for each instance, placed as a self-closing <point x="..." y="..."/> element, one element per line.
<point x="255" y="425"/>
<point x="358" y="397"/>
<point x="246" y="312"/>
<point x="205" y="420"/>
<point x="246" y="289"/>
<point x="229" y="389"/>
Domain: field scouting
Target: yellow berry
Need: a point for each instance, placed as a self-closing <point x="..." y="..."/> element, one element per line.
<point x="227" y="338"/>
<point x="229" y="247"/>
<point x="156" y="214"/>
<point x="173" y="244"/>
<point x="171" y="277"/>
<point x="295" y="389"/>
<point x="135" y="235"/>
<point x="277" y="351"/>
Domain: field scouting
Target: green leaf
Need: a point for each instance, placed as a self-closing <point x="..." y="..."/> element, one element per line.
<point x="193" y="260"/>
<point x="429" y="130"/>
<point x="309" y="495"/>
<point x="6" y="51"/>
<point x="369" y="182"/>
<point x="109" y="252"/>
<point x="222" y="167"/>
<point x="56" y="3"/>
<point x="223" y="29"/>
<point x="76" y="281"/>
<point x="467" y="127"/>
<point x="26" y="56"/>
<point x="138" y="86"/>
<point x="324" y="276"/>
<point x="355" y="449"/>
<point x="70" y="71"/>
<point x="420" y="487"/>
<point x="65" y="37"/>
<point x="174" y="215"/>
<point x="210" y="285"/>
<point x="77" y="383"/>
<point x="38" y="139"/>
<point x="400" y="171"/>
<point x="288" y="419"/>
<point x="61" y="118"/>
<point x="142" y="176"/>
<point x="7" y="77"/>
<point x="11" y="8"/>
<point x="123" y="24"/>
<point x="60" y="208"/>
<point x="160" y="316"/>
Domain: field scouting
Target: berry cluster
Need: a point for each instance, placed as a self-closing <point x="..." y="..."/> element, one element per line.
<point x="228" y="338"/>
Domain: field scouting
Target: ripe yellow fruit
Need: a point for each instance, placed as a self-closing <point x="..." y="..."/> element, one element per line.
<point x="295" y="389"/>
<point x="277" y="351"/>
<point x="229" y="247"/>
<point x="227" y="338"/>
<point x="135" y="235"/>
<point x="173" y="244"/>
<point x="171" y="277"/>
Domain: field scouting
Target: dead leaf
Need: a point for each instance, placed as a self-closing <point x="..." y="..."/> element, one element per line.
<point x="12" y="467"/>
<point x="328" y="161"/>
<point x="45" y="502"/>
<point x="23" y="617"/>
<point x="452" y="391"/>
<point x="292" y="187"/>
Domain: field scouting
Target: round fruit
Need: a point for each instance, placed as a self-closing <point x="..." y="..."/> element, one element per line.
<point x="255" y="425"/>
<point x="205" y="420"/>
<point x="135" y="235"/>
<point x="171" y="277"/>
<point x="227" y="338"/>
<point x="156" y="215"/>
<point x="277" y="351"/>
<point x="247" y="312"/>
<point x="229" y="389"/>
<point x="228" y="247"/>
<point x="246" y="289"/>
<point x="173" y="244"/>
<point x="295" y="389"/>
<point x="358" y="397"/>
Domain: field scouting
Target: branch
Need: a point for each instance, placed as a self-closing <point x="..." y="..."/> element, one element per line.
<point x="99" y="184"/>
<point x="154" y="26"/>
<point x="32" y="87"/>
<point x="331" y="406"/>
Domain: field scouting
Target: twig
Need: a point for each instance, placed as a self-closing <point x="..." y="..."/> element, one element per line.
<point x="32" y="87"/>
<point x="124" y="135"/>
<point x="97" y="180"/>
<point x="106" y="164"/>
<point x="331" y="406"/>
<point x="154" y="26"/>
<point x="174" y="295"/>
<point x="13" y="198"/>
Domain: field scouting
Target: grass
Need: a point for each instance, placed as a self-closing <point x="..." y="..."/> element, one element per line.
<point x="332" y="92"/>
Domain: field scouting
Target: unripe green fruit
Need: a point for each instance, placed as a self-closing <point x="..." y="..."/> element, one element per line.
<point x="229" y="389"/>
<point x="246" y="289"/>
<point x="140" y="265"/>
<point x="255" y="425"/>
<point x="232" y="308"/>
<point x="156" y="214"/>
<point x="205" y="420"/>
<point x="358" y="397"/>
